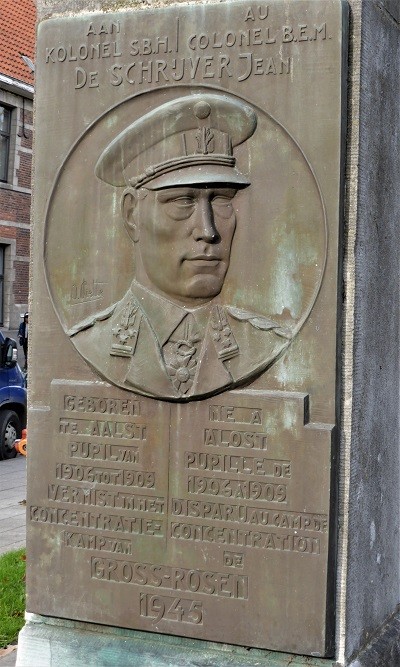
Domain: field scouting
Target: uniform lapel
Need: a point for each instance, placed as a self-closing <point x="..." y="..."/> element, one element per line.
<point x="147" y="371"/>
<point x="212" y="374"/>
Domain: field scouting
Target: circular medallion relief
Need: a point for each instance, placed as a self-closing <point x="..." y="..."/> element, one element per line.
<point x="185" y="243"/>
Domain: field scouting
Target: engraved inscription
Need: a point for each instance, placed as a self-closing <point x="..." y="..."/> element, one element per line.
<point x="96" y="521"/>
<point x="233" y="559"/>
<point x="254" y="37"/>
<point x="232" y="488"/>
<point x="203" y="582"/>
<point x="247" y="514"/>
<point x="96" y="485"/>
<point x="111" y="476"/>
<point x="101" y="405"/>
<point x="69" y="53"/>
<point x="235" y="414"/>
<point x="199" y="56"/>
<point x="249" y="65"/>
<point x="86" y="292"/>
<point x="182" y="610"/>
<point x="104" y="429"/>
<point x="234" y="507"/>
<point x="228" y="438"/>
<point x="106" y="505"/>
<point x="102" y="452"/>
<point x="97" y="542"/>
<point x="104" y="28"/>
<point x="244" y="465"/>
<point x="67" y="493"/>
<point x="245" y="538"/>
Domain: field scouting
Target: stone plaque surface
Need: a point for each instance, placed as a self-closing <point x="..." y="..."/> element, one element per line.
<point x="183" y="393"/>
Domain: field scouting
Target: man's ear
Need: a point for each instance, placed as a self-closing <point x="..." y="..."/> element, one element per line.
<point x="128" y="207"/>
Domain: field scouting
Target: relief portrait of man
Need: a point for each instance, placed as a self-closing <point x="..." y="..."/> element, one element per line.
<point x="171" y="336"/>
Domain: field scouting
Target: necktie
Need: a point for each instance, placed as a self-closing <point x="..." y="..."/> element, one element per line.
<point x="181" y="353"/>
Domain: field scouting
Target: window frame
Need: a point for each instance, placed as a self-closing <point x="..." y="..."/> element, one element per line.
<point x="6" y="134"/>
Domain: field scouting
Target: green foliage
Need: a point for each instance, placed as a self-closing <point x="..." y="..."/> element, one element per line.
<point x="12" y="595"/>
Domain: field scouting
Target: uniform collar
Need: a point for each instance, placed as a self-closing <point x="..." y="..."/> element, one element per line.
<point x="164" y="316"/>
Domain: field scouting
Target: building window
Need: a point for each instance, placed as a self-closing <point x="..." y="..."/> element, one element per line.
<point x="5" y="129"/>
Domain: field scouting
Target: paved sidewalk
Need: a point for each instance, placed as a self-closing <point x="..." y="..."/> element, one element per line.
<point x="9" y="660"/>
<point x="12" y="504"/>
<point x="12" y="516"/>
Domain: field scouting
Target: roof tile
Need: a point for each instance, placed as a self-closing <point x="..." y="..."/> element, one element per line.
<point x="17" y="24"/>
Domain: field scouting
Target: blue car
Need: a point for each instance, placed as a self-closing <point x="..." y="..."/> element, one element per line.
<point x="12" y="398"/>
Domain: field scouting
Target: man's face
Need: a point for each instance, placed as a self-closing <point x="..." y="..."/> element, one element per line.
<point x="184" y="241"/>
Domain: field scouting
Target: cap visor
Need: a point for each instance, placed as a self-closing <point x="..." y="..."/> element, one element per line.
<point x="199" y="175"/>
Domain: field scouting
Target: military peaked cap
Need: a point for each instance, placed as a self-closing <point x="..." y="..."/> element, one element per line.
<point x="186" y="141"/>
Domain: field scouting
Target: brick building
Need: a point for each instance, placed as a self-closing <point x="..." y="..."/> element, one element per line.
<point x="17" y="46"/>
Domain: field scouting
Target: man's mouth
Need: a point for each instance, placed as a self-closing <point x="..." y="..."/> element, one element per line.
<point x="203" y="261"/>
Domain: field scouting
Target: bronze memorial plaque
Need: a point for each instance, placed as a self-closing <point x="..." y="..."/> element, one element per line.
<point x="183" y="381"/>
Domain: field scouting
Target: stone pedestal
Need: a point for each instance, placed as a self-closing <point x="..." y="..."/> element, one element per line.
<point x="52" y="641"/>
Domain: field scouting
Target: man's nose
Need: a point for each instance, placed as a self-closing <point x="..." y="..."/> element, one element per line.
<point x="204" y="224"/>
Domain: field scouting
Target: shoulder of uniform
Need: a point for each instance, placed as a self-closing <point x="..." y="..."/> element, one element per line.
<point x="91" y="320"/>
<point x="258" y="321"/>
